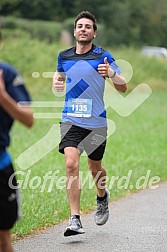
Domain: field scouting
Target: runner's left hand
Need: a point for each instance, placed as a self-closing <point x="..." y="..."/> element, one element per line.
<point x="103" y="68"/>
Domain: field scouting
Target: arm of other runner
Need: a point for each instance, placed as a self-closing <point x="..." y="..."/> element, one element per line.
<point x="22" y="114"/>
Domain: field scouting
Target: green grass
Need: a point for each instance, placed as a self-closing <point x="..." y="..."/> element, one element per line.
<point x="138" y="144"/>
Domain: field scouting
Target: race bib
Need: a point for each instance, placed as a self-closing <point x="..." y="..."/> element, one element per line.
<point x="79" y="107"/>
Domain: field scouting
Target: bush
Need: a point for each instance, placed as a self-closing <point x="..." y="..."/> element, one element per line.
<point x="43" y="30"/>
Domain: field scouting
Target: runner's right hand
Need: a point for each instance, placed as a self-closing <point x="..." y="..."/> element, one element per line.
<point x="58" y="82"/>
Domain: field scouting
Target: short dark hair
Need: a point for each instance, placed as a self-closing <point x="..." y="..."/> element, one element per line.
<point x="88" y="15"/>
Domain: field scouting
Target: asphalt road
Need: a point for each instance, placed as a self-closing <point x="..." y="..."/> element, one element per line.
<point x="137" y="223"/>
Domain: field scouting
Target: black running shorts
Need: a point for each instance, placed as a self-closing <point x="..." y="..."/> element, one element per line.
<point x="92" y="141"/>
<point x="8" y="199"/>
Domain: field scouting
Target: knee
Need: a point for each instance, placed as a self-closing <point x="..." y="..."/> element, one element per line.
<point x="72" y="166"/>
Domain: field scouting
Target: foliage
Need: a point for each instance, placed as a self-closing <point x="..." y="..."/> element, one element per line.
<point x="125" y="22"/>
<point x="43" y="30"/>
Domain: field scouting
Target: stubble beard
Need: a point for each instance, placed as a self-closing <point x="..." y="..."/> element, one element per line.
<point x="84" y="42"/>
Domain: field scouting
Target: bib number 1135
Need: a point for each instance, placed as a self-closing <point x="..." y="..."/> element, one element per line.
<point x="79" y="107"/>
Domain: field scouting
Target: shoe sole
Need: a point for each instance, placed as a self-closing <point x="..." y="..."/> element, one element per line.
<point x="70" y="232"/>
<point x="102" y="223"/>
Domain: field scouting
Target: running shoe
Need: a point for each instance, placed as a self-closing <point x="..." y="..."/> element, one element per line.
<point x="102" y="211"/>
<point x="74" y="227"/>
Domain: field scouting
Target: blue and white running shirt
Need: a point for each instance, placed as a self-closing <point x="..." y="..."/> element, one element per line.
<point x="84" y="104"/>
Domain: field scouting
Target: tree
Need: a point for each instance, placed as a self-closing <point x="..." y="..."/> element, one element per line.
<point x="120" y="22"/>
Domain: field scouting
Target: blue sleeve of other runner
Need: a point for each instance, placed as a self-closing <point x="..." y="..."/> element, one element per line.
<point x="60" y="67"/>
<point x="14" y="83"/>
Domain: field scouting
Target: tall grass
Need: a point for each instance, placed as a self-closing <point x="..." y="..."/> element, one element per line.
<point x="138" y="144"/>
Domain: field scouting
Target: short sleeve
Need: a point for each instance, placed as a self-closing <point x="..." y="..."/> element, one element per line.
<point x="112" y="62"/>
<point x="20" y="94"/>
<point x="14" y="83"/>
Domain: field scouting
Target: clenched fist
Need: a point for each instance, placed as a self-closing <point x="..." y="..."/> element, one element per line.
<point x="58" y="82"/>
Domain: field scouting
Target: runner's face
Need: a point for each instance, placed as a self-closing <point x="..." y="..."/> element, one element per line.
<point x="84" y="32"/>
